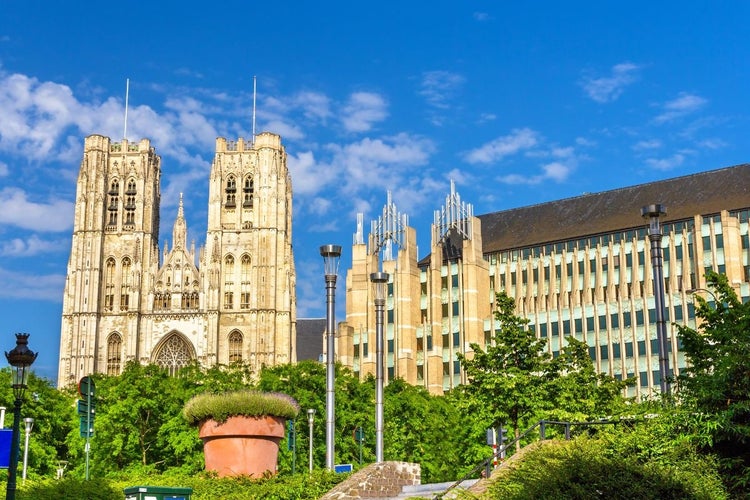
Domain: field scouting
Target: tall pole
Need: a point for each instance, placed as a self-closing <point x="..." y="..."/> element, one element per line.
<point x="29" y="425"/>
<point x="653" y="212"/>
<point x="330" y="254"/>
<point x="20" y="358"/>
<point x="310" y="418"/>
<point x="379" y="280"/>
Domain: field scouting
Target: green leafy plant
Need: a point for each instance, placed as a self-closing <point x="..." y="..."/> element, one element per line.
<point x="220" y="407"/>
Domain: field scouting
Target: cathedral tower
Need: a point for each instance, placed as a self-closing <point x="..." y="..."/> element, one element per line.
<point x="250" y="269"/>
<point x="115" y="240"/>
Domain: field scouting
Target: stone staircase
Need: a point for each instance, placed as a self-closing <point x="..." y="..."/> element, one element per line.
<point x="430" y="490"/>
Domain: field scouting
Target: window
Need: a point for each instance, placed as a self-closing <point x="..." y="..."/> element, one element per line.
<point x="130" y="193"/>
<point x="114" y="354"/>
<point x="109" y="285"/>
<point x="174" y="353"/>
<point x="114" y="201"/>
<point x="125" y="284"/>
<point x="245" y="282"/>
<point x="231" y="192"/>
<point x="228" y="282"/>
<point x="247" y="193"/>
<point x="235" y="347"/>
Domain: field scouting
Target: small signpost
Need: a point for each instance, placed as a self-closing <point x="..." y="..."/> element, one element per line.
<point x="86" y="411"/>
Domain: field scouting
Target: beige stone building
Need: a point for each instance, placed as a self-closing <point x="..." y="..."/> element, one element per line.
<point x="576" y="267"/>
<point x="126" y="300"/>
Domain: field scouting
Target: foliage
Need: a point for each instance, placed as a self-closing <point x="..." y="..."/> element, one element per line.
<point x="515" y="382"/>
<point x="590" y="468"/>
<point x="717" y="380"/>
<point x="54" y="417"/>
<point x="220" y="407"/>
<point x="204" y="486"/>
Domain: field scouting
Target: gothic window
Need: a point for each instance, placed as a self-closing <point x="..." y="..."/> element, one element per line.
<point x="109" y="285"/>
<point x="235" y="347"/>
<point x="125" y="284"/>
<point x="190" y="300"/>
<point x="245" y="282"/>
<point x="174" y="353"/>
<point x="229" y="282"/>
<point x="114" y="200"/>
<point x="114" y="354"/>
<point x="231" y="192"/>
<point x="161" y="300"/>
<point x="247" y="193"/>
<point x="130" y="193"/>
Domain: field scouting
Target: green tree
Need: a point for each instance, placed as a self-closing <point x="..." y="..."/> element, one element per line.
<point x="508" y="377"/>
<point x="717" y="377"/>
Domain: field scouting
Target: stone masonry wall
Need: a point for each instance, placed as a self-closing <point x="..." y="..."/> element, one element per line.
<point x="377" y="481"/>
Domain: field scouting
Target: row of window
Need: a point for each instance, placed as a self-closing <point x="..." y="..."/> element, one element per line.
<point x="231" y="192"/>
<point x="113" y="204"/>
<point x="175" y="352"/>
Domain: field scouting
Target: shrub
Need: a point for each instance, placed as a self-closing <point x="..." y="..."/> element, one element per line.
<point x="220" y="407"/>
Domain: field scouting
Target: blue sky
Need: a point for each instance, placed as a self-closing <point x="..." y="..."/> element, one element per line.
<point x="518" y="104"/>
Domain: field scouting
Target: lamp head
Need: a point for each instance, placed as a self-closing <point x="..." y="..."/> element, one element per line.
<point x="379" y="280"/>
<point x="331" y="255"/>
<point x="20" y="358"/>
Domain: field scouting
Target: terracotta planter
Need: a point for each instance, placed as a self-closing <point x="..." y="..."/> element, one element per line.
<point x="242" y="445"/>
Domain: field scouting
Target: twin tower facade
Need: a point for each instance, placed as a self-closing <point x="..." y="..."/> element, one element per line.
<point x="126" y="299"/>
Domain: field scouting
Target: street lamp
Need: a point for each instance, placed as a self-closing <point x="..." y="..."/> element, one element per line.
<point x="380" y="281"/>
<point x="653" y="212"/>
<point x="331" y="255"/>
<point x="20" y="358"/>
<point x="310" y="419"/>
<point x="29" y="425"/>
<point x="693" y="291"/>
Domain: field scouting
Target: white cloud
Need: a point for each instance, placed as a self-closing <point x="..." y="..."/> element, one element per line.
<point x="29" y="286"/>
<point x="554" y="171"/>
<point x="362" y="110"/>
<point x="518" y="140"/>
<point x="34" y="245"/>
<point x="683" y="105"/>
<point x="3" y="169"/>
<point x="438" y="87"/>
<point x="712" y="144"/>
<point x="17" y="210"/>
<point x="666" y="163"/>
<point x="647" y="145"/>
<point x="609" y="88"/>
<point x="481" y="16"/>
<point x="315" y="106"/>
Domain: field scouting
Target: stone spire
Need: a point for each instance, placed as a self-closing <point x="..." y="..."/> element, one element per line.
<point x="179" y="232"/>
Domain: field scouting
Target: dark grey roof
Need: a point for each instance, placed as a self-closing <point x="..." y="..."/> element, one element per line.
<point x="310" y="338"/>
<point x="619" y="209"/>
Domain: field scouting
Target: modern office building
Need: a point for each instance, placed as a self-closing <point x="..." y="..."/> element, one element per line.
<point x="576" y="267"/>
<point x="126" y="300"/>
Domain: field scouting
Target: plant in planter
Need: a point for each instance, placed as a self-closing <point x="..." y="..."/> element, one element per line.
<point x="241" y="430"/>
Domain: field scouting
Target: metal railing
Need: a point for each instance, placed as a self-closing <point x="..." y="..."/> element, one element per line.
<point x="487" y="463"/>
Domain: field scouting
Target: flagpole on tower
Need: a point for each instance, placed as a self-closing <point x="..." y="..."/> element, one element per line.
<point x="254" y="94"/>
<point x="127" y="93"/>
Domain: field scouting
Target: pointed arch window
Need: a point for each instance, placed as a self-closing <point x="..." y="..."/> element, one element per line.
<point x="245" y="282"/>
<point x="114" y="201"/>
<point x="125" y="281"/>
<point x="114" y="354"/>
<point x="109" y="284"/>
<point x="231" y="192"/>
<point x="229" y="282"/>
<point x="130" y="193"/>
<point x="235" y="347"/>
<point x="247" y="193"/>
<point x="174" y="353"/>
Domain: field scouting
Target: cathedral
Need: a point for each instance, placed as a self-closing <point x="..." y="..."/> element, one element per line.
<point x="125" y="299"/>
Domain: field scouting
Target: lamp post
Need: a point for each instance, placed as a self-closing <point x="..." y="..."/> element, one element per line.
<point x="331" y="255"/>
<point x="653" y="212"/>
<point x="20" y="358"/>
<point x="310" y="419"/>
<point x="379" y="280"/>
<point x="29" y="425"/>
<point x="693" y="291"/>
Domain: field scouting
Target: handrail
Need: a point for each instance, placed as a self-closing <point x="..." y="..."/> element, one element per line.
<point x="542" y="424"/>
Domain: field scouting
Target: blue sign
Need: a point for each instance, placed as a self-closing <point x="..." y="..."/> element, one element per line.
<point x="341" y="468"/>
<point x="6" y="436"/>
